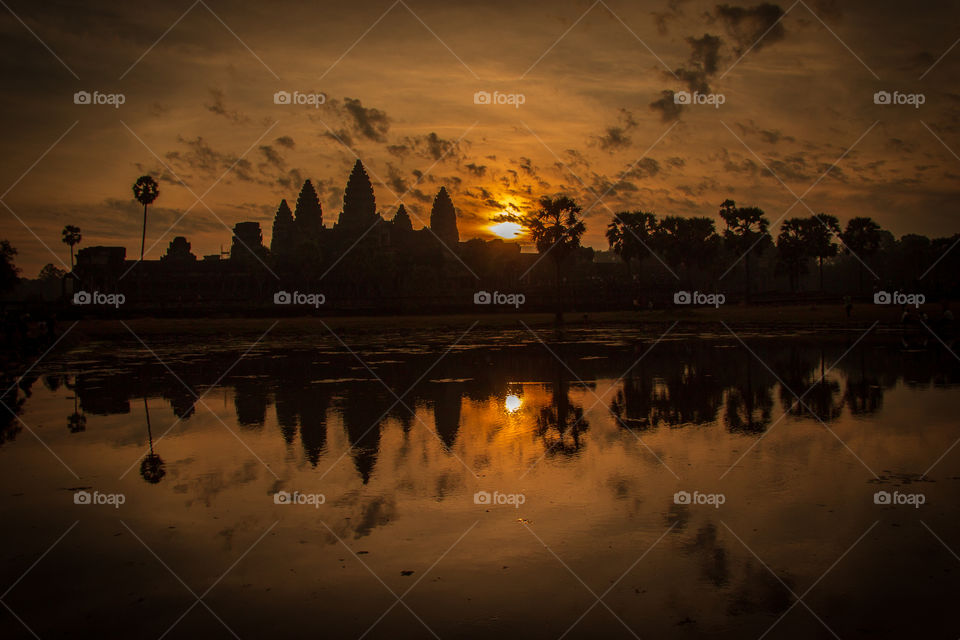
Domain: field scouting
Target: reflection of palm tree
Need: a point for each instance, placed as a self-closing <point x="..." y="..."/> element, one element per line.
<point x="560" y="417"/>
<point x="748" y="407"/>
<point x="151" y="469"/>
<point x="76" y="421"/>
<point x="863" y="396"/>
<point x="145" y="190"/>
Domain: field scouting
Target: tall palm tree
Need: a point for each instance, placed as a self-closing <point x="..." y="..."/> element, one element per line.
<point x="145" y="190"/>
<point x="821" y="231"/>
<point x="862" y="239"/>
<point x="71" y="237"/>
<point x="556" y="228"/>
<point x="630" y="235"/>
<point x="745" y="232"/>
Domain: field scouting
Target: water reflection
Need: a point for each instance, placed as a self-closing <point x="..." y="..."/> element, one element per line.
<point x="684" y="383"/>
<point x="390" y="447"/>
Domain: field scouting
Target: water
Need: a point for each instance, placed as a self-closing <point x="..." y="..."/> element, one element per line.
<point x="584" y="443"/>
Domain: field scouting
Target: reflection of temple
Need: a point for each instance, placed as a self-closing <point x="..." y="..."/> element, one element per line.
<point x="362" y="261"/>
<point x="677" y="384"/>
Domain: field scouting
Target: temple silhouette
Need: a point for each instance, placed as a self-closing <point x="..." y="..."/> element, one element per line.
<point x="362" y="261"/>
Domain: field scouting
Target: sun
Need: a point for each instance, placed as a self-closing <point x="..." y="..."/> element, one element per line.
<point x="506" y="230"/>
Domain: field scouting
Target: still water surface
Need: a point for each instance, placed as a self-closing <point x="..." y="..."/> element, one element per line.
<point x="450" y="484"/>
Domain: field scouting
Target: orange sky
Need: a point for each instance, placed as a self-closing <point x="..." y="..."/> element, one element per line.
<point x="400" y="87"/>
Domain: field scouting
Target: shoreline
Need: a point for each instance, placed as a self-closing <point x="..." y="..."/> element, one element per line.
<point x="774" y="320"/>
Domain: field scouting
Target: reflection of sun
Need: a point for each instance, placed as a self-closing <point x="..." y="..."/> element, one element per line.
<point x="512" y="403"/>
<point x="506" y="230"/>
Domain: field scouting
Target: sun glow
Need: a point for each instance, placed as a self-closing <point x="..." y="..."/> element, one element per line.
<point x="512" y="403"/>
<point x="506" y="229"/>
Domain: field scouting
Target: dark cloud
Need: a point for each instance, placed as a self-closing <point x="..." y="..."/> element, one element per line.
<point x="616" y="137"/>
<point x="667" y="106"/>
<point x="476" y="169"/>
<point x="430" y="146"/>
<point x="701" y="66"/>
<point x="369" y="123"/>
<point x="757" y="27"/>
<point x="219" y="108"/>
<point x="285" y="141"/>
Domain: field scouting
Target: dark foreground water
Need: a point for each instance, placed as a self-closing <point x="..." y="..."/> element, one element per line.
<point x="608" y="485"/>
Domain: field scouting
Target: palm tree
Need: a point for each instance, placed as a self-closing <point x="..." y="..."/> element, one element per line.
<point x="145" y="190"/>
<point x="792" y="253"/>
<point x="821" y="231"/>
<point x="745" y="232"/>
<point x="556" y="228"/>
<point x="71" y="237"/>
<point x="861" y="238"/>
<point x="630" y="234"/>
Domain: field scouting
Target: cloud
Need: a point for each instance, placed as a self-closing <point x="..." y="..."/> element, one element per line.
<point x="667" y="106"/>
<point x="476" y="169"/>
<point x="369" y="123"/>
<point x="757" y="27"/>
<point x="285" y="141"/>
<point x="615" y="137"/>
<point x="219" y="108"/>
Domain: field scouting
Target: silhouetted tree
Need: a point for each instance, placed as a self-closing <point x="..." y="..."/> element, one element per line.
<point x="792" y="253"/>
<point x="745" y="232"/>
<point x="862" y="238"/>
<point x="820" y="233"/>
<point x="9" y="272"/>
<point x="152" y="467"/>
<point x="556" y="228"/>
<point x="145" y="190"/>
<point x="71" y="237"/>
<point x="630" y="235"/>
<point x="443" y="219"/>
<point x="51" y="273"/>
